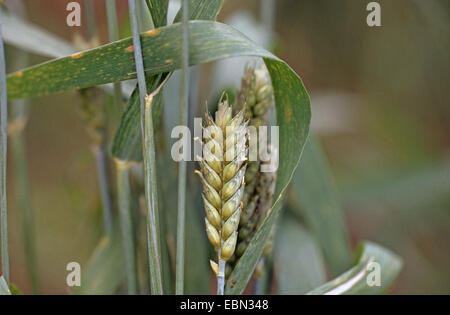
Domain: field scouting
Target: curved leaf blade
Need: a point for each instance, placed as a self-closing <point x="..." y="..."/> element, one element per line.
<point x="209" y="41"/>
<point x="355" y="280"/>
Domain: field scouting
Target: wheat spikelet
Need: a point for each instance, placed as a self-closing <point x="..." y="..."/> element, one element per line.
<point x="255" y="97"/>
<point x="264" y="191"/>
<point x="92" y="114"/>
<point x="222" y="172"/>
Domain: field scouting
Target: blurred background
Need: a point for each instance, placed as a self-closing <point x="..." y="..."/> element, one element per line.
<point x="381" y="108"/>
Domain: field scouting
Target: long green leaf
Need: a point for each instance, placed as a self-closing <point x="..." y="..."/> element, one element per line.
<point x="298" y="259"/>
<point x="104" y="272"/>
<point x="318" y="204"/>
<point x="229" y="43"/>
<point x="360" y="279"/>
<point x="149" y="158"/>
<point x="4" y="289"/>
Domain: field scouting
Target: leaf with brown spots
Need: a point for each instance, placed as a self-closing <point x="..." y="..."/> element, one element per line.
<point x="209" y="41"/>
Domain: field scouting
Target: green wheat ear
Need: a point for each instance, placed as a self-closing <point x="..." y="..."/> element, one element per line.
<point x="222" y="172"/>
<point x="255" y="97"/>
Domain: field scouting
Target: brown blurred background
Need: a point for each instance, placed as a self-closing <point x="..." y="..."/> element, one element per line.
<point x="381" y="105"/>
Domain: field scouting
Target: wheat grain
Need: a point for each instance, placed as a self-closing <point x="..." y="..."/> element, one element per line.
<point x="222" y="171"/>
<point x="255" y="97"/>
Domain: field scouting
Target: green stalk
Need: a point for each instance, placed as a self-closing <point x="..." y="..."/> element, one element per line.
<point x="90" y="18"/>
<point x="184" y="110"/>
<point x="3" y="161"/>
<point x="148" y="149"/>
<point x="101" y="155"/>
<point x="113" y="35"/>
<point x="124" y="195"/>
<point x="221" y="276"/>
<point x="101" y="149"/>
<point x="22" y="191"/>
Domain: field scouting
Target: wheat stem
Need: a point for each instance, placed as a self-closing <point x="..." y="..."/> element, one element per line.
<point x="184" y="110"/>
<point x="3" y="148"/>
<point x="221" y="277"/>
<point x="90" y="19"/>
<point x="16" y="132"/>
<point x="126" y="224"/>
<point x="100" y="148"/>
<point x="113" y="35"/>
<point x="22" y="192"/>
<point x="100" y="152"/>
<point x="148" y="149"/>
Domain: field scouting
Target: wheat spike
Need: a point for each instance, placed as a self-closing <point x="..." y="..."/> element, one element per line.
<point x="256" y="96"/>
<point x="222" y="172"/>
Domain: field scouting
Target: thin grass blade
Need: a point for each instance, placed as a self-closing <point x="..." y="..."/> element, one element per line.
<point x="16" y="130"/>
<point x="3" y="157"/>
<point x="184" y="110"/>
<point x="126" y="225"/>
<point x="113" y="35"/>
<point x="148" y="149"/>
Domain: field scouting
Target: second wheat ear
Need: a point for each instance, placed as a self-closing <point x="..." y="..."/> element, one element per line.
<point x="222" y="172"/>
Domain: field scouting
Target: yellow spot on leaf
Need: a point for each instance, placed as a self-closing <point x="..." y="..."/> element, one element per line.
<point x="19" y="74"/>
<point x="169" y="61"/>
<point x="77" y="55"/>
<point x="152" y="32"/>
<point x="288" y="114"/>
